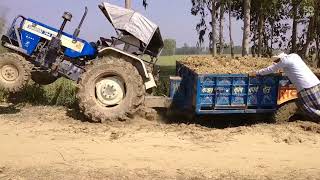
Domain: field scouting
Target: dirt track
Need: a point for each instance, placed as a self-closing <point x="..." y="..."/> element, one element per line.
<point x="46" y="143"/>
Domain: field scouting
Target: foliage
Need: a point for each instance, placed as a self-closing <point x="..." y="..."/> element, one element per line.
<point x="187" y="50"/>
<point x="169" y="47"/>
<point x="2" y="23"/>
<point x="144" y="3"/>
<point x="271" y="24"/>
<point x="62" y="92"/>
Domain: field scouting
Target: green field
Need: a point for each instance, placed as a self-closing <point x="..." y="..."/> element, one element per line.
<point x="167" y="68"/>
<point x="169" y="60"/>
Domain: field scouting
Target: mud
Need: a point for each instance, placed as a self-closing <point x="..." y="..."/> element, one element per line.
<point x="55" y="143"/>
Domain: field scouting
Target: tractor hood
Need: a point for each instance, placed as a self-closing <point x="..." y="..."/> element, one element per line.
<point x="136" y="24"/>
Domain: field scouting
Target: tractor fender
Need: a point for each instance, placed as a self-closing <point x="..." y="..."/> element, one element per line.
<point x="286" y="94"/>
<point x="136" y="61"/>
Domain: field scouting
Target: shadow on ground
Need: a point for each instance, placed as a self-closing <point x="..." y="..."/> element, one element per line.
<point x="9" y="109"/>
<point x="75" y="113"/>
<point x="219" y="121"/>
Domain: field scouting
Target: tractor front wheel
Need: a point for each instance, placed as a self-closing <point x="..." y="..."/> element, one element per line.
<point x="110" y="89"/>
<point x="15" y="72"/>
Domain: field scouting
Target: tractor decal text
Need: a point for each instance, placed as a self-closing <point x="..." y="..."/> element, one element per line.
<point x="238" y="90"/>
<point x="35" y="28"/>
<point x="253" y="90"/>
<point x="286" y="94"/>
<point x="208" y="90"/>
<point x="266" y="90"/>
<point x="48" y="34"/>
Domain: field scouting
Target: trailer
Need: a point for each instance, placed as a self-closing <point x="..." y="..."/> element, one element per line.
<point x="210" y="94"/>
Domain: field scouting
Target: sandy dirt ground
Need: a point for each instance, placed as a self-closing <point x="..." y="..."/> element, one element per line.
<point x="54" y="143"/>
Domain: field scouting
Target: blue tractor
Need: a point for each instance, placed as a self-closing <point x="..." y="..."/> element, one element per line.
<point x="111" y="74"/>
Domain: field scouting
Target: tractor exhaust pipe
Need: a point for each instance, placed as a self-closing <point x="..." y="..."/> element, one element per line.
<point x="77" y="31"/>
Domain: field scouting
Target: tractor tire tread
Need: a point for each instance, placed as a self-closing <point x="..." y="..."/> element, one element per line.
<point x="88" y="104"/>
<point x="285" y="112"/>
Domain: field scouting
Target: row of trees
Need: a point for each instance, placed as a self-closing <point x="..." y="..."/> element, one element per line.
<point x="293" y="25"/>
<point x="171" y="49"/>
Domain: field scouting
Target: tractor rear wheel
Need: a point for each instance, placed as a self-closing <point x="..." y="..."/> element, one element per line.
<point x="110" y="89"/>
<point x="15" y="72"/>
<point x="285" y="112"/>
<point x="43" y="77"/>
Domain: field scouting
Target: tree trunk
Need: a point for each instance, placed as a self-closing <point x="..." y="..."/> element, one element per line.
<point x="128" y="4"/>
<point x="294" y="26"/>
<point x="266" y="46"/>
<point x="230" y="30"/>
<point x="318" y="51"/>
<point x="260" y="33"/>
<point x="246" y="28"/>
<point x="271" y="39"/>
<point x="311" y="29"/>
<point x="221" y="43"/>
<point x="214" y="22"/>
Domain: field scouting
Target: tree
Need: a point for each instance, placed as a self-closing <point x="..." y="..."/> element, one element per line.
<point x="295" y="5"/>
<point x="221" y="17"/>
<point x="128" y="4"/>
<point x="201" y="7"/>
<point x="169" y="47"/>
<point x="230" y="29"/>
<point x="213" y="24"/>
<point x="246" y="27"/>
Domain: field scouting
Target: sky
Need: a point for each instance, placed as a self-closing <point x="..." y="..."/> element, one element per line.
<point x="172" y="16"/>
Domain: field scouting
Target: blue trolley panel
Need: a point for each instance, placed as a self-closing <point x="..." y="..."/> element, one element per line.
<point x="223" y="93"/>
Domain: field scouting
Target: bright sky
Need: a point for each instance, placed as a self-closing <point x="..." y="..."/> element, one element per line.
<point x="173" y="17"/>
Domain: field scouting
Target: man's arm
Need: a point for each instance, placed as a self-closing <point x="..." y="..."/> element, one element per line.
<point x="271" y="69"/>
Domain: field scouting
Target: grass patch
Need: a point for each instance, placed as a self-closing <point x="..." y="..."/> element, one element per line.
<point x="60" y="93"/>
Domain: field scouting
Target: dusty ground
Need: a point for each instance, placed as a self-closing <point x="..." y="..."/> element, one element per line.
<point x="47" y="143"/>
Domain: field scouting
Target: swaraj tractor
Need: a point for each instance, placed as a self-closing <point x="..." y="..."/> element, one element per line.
<point x="111" y="75"/>
<point x="113" y="78"/>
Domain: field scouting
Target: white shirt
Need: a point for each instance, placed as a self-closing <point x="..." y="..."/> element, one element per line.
<point x="296" y="70"/>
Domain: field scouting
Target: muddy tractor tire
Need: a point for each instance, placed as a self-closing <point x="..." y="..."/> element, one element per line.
<point x="111" y="89"/>
<point x="43" y="77"/>
<point x="285" y="112"/>
<point x="15" y="72"/>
